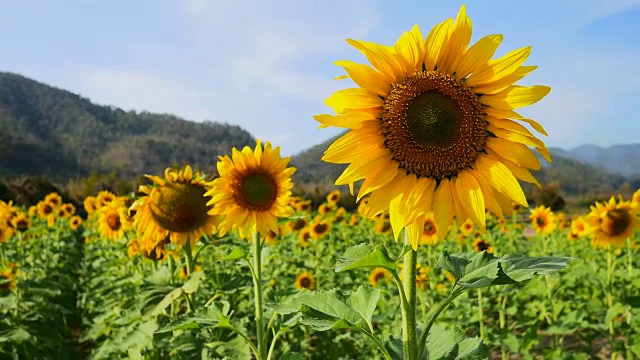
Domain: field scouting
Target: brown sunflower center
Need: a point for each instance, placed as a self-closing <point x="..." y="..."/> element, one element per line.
<point x="257" y="191"/>
<point x="298" y="224"/>
<point x="429" y="228"/>
<point x="47" y="209"/>
<point x="378" y="276"/>
<point x="113" y="221"/>
<point x="433" y="124"/>
<point x="320" y="228"/>
<point x="305" y="283"/>
<point x="179" y="207"/>
<point x="541" y="222"/>
<point x="615" y="222"/>
<point x="482" y="246"/>
<point x="22" y="225"/>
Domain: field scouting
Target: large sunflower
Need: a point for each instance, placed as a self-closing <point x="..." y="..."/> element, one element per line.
<point x="612" y="222"/>
<point x="432" y="126"/>
<point x="175" y="206"/>
<point x="253" y="190"/>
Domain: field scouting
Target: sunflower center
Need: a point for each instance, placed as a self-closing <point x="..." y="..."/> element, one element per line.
<point x="482" y="246"/>
<point x="433" y="124"/>
<point x="615" y="222"/>
<point x="320" y="228"/>
<point x="179" y="207"/>
<point x="257" y="191"/>
<point x="305" y="282"/>
<point x="379" y="276"/>
<point x="541" y="222"/>
<point x="22" y="225"/>
<point x="113" y="221"/>
<point x="429" y="228"/>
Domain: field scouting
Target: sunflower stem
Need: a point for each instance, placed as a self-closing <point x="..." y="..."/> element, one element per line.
<point x="409" y="331"/>
<point x="257" y="286"/>
<point x="189" y="265"/>
<point x="610" y="268"/>
<point x="480" y="314"/>
<point x="629" y="258"/>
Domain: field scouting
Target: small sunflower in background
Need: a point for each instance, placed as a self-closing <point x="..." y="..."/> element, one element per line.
<point x="33" y="211"/>
<point x="175" y="207"/>
<point x="579" y="226"/>
<point x="8" y="278"/>
<point x="430" y="231"/>
<point x="467" y="227"/>
<point x="103" y="198"/>
<point x="572" y="236"/>
<point x="68" y="210"/>
<point x="382" y="227"/>
<point x="89" y="205"/>
<point x="304" y="237"/>
<point x="75" y="222"/>
<point x="320" y="228"/>
<point x="53" y="199"/>
<point x="354" y="219"/>
<point x="297" y="224"/>
<point x="376" y="275"/>
<point x="324" y="209"/>
<point x="305" y="280"/>
<point x="6" y="232"/>
<point x="433" y="126"/>
<point x="183" y="274"/>
<point x="543" y="220"/>
<point x="113" y="221"/>
<point x="334" y="197"/>
<point x="561" y="220"/>
<point x="21" y="222"/>
<point x="612" y="222"/>
<point x="45" y="209"/>
<point x="253" y="190"/>
<point x="271" y="238"/>
<point x="480" y="245"/>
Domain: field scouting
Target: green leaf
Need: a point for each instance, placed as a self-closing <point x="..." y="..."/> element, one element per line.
<point x="236" y="254"/>
<point x="292" y="356"/>
<point x="201" y="318"/>
<point x="166" y="301"/>
<point x="475" y="270"/>
<point x="325" y="310"/>
<point x="193" y="283"/>
<point x="448" y="344"/>
<point x="363" y="256"/>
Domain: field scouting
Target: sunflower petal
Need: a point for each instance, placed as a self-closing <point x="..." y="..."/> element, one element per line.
<point x="526" y="140"/>
<point x="470" y="196"/>
<point x="487" y="192"/>
<point x="365" y="77"/>
<point x="500" y="83"/>
<point x="353" y="98"/>
<point x="515" y="152"/>
<point x="458" y="42"/>
<point x="443" y="207"/>
<point x="382" y="58"/>
<point x="500" y="178"/>
<point x="435" y="43"/>
<point x="516" y="96"/>
<point x="499" y="68"/>
<point x="478" y="55"/>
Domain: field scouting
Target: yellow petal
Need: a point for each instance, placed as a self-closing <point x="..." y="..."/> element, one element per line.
<point x="443" y="207"/>
<point x="515" y="152"/>
<point x="516" y="96"/>
<point x="380" y="178"/>
<point x="458" y="42"/>
<point x="360" y="170"/>
<point x="354" y="145"/>
<point x="470" y="196"/>
<point x="408" y="52"/>
<point x="414" y="232"/>
<point x="522" y="139"/>
<point x="510" y="125"/>
<point x="353" y="98"/>
<point x="498" y="84"/>
<point x="365" y="77"/>
<point x="382" y="58"/>
<point x="499" y="68"/>
<point x="350" y="120"/>
<point x="500" y="178"/>
<point x="435" y="43"/>
<point x="478" y="55"/>
<point x="519" y="172"/>
<point x="487" y="192"/>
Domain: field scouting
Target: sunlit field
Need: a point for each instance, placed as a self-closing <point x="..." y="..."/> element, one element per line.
<point x="84" y="286"/>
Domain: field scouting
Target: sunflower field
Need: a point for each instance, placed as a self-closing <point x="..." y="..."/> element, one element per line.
<point x="443" y="259"/>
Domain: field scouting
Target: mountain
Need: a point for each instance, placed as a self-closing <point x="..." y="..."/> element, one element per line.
<point x="619" y="158"/>
<point x="59" y="135"/>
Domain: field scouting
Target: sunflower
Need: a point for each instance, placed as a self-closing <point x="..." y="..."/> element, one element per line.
<point x="68" y="210"/>
<point x="253" y="190"/>
<point x="112" y="221"/>
<point x="353" y="220"/>
<point x="75" y="222"/>
<point x="430" y="232"/>
<point x="481" y="245"/>
<point x="305" y="280"/>
<point x="579" y="226"/>
<point x="431" y="126"/>
<point x="324" y="209"/>
<point x="33" y="211"/>
<point x="377" y="275"/>
<point x="45" y="209"/>
<point x="271" y="238"/>
<point x="543" y="220"/>
<point x="636" y="197"/>
<point x="561" y="220"/>
<point x="53" y="199"/>
<point x="320" y="229"/>
<point x="89" y="205"/>
<point x="340" y="215"/>
<point x="175" y="206"/>
<point x="7" y="280"/>
<point x="612" y="222"/>
<point x="297" y="224"/>
<point x="382" y="227"/>
<point x="467" y="227"/>
<point x="304" y="236"/>
<point x="103" y="198"/>
<point x="334" y="197"/>
<point x="21" y="222"/>
<point x="571" y="235"/>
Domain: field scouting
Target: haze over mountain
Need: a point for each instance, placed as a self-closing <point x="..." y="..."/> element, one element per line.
<point x="62" y="136"/>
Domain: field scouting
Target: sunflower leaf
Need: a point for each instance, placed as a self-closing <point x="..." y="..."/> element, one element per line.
<point x="363" y="256"/>
<point x="201" y="318"/>
<point x="236" y="254"/>
<point x="476" y="270"/>
<point x="443" y="343"/>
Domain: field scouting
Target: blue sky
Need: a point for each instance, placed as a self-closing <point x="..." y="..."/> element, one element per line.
<point x="268" y="65"/>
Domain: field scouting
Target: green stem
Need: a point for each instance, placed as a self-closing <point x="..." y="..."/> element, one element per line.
<point x="610" y="268"/>
<point x="409" y="331"/>
<point x="629" y="258"/>
<point x="273" y="344"/>
<point x="480" y="313"/>
<point x="384" y="351"/>
<point x="189" y="265"/>
<point x="434" y="315"/>
<point x="257" y="286"/>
